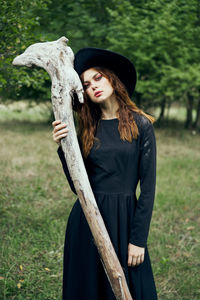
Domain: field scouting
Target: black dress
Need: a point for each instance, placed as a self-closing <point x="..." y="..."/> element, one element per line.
<point x="114" y="168"/>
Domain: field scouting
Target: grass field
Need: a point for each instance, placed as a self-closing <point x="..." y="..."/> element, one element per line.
<point x="35" y="202"/>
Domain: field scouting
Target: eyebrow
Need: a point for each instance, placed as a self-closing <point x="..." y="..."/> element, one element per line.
<point x="92" y="77"/>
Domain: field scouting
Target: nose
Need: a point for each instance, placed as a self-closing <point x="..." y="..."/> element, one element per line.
<point x="94" y="85"/>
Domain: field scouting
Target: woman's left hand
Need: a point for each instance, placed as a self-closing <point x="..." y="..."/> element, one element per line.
<point x="135" y="255"/>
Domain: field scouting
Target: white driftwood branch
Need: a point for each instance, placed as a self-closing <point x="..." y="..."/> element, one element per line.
<point x="57" y="59"/>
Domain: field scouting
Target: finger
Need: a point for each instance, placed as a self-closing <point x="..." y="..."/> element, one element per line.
<point x="138" y="260"/>
<point x="60" y="126"/>
<point x="134" y="261"/>
<point x="142" y="258"/>
<point x="60" y="135"/>
<point x="59" y="132"/>
<point x="56" y="122"/>
<point x="129" y="260"/>
<point x="57" y="140"/>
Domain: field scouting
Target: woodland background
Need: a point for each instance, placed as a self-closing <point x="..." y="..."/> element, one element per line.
<point x="162" y="38"/>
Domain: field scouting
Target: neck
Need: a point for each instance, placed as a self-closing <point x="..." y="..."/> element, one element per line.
<point x="109" y="109"/>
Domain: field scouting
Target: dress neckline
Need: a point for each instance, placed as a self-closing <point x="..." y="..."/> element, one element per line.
<point x="109" y="119"/>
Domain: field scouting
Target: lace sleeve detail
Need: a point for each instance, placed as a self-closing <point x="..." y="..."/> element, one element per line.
<point x="147" y="177"/>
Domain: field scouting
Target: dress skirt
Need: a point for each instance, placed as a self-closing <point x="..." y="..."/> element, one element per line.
<point x="84" y="276"/>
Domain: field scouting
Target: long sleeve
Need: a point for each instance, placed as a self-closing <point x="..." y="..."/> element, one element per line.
<point x="147" y="177"/>
<point x="65" y="168"/>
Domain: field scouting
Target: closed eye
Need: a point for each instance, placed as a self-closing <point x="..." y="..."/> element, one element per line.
<point x="98" y="77"/>
<point x="85" y="86"/>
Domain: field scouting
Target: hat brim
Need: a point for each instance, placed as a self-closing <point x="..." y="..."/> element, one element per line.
<point x="87" y="58"/>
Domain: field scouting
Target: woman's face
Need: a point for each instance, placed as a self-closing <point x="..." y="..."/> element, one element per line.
<point x="97" y="87"/>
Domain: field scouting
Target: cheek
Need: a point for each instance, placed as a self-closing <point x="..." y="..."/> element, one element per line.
<point x="105" y="81"/>
<point x="88" y="92"/>
<point x="109" y="88"/>
<point x="108" y="85"/>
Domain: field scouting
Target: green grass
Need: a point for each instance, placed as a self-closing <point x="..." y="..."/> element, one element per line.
<point x="35" y="202"/>
<point x="175" y="225"/>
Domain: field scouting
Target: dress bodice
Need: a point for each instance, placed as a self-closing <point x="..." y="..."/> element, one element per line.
<point x="112" y="164"/>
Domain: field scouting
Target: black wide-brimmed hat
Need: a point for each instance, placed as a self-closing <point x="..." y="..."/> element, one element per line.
<point x="87" y="58"/>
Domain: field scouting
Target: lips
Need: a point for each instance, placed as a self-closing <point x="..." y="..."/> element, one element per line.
<point x="97" y="94"/>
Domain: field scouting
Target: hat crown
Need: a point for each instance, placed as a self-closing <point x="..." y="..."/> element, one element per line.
<point x="87" y="58"/>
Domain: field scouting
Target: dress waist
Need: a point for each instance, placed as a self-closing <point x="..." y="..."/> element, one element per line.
<point x="108" y="193"/>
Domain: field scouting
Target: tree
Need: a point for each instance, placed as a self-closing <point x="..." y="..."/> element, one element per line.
<point x="162" y="38"/>
<point x="18" y="23"/>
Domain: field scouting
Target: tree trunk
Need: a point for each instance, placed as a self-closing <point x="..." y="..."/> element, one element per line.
<point x="57" y="59"/>
<point x="189" y="107"/>
<point x="162" y="110"/>
<point x="196" y="124"/>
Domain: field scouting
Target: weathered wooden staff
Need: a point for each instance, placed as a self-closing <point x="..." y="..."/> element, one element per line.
<point x="57" y="59"/>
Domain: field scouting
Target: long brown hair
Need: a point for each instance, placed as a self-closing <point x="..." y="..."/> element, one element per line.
<point x="89" y="114"/>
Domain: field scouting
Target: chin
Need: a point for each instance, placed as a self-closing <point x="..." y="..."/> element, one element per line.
<point x="98" y="100"/>
<point x="101" y="100"/>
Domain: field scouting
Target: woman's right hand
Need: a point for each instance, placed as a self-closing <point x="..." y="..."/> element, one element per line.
<point x="59" y="131"/>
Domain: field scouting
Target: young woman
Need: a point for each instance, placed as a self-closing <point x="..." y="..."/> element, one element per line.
<point x="119" y="149"/>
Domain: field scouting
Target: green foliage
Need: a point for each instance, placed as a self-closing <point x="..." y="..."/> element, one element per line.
<point x="162" y="38"/>
<point x="18" y="23"/>
<point x="84" y="22"/>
